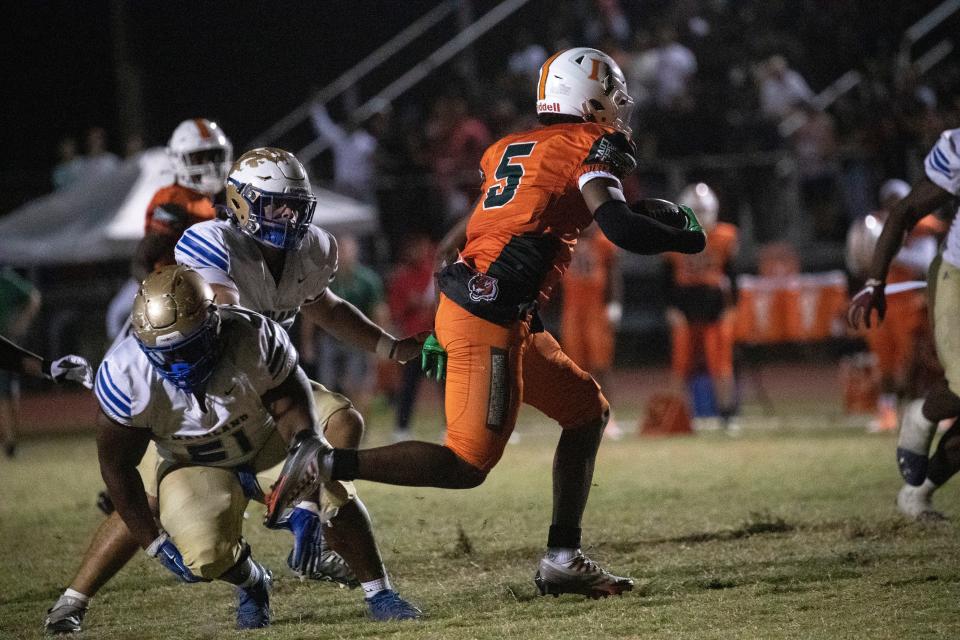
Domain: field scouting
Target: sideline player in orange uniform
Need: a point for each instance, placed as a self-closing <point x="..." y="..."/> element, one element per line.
<point x="593" y="308"/>
<point x="895" y="343"/>
<point x="540" y="189"/>
<point x="701" y="302"/>
<point x="201" y="155"/>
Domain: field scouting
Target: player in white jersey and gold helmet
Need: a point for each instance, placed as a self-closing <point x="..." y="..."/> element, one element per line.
<point x="220" y="393"/>
<point x="269" y="258"/>
<point x="923" y="472"/>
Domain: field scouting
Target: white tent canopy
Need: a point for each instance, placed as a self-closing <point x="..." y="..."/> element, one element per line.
<point x="101" y="218"/>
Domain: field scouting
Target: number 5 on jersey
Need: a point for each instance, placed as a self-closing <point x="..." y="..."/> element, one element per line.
<point x="499" y="195"/>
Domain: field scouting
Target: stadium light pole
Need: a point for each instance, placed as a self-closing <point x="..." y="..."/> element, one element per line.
<point x="130" y="103"/>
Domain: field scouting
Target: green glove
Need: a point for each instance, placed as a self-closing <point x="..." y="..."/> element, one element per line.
<point x="692" y="223"/>
<point x="433" y="359"/>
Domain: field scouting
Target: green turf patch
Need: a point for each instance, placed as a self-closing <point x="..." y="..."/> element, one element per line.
<point x="767" y="535"/>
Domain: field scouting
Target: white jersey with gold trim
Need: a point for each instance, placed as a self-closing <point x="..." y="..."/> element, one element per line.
<point x="942" y="166"/>
<point x="257" y="356"/>
<point x="224" y="255"/>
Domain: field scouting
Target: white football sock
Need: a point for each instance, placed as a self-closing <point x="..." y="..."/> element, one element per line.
<point x="373" y="587"/>
<point x="71" y="593"/>
<point x="562" y="555"/>
<point x="255" y="574"/>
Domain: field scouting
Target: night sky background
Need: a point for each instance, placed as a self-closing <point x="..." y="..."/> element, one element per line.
<point x="246" y="63"/>
<point x="243" y="63"/>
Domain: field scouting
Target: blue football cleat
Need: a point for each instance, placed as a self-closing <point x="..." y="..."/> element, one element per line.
<point x="253" y="603"/>
<point x="388" y="605"/>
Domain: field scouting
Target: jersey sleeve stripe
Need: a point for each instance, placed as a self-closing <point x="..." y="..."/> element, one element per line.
<point x="275" y="363"/>
<point x="193" y="235"/>
<point x="113" y="385"/>
<point x="271" y="338"/>
<point x="198" y="260"/>
<point x="108" y="400"/>
<point x="590" y="175"/>
<point x="277" y="353"/>
<point x="200" y="252"/>
<point x="939" y="161"/>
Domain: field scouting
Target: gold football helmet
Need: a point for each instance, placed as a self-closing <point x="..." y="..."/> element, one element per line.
<point x="176" y="325"/>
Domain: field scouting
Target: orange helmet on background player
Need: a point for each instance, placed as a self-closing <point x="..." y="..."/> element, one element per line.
<point x="588" y="83"/>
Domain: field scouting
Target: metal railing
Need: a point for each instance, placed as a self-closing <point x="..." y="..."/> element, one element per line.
<point x="420" y="71"/>
<point x="923" y="26"/>
<point x="353" y="75"/>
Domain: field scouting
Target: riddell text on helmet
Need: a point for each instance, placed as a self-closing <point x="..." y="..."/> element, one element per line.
<point x="551" y="107"/>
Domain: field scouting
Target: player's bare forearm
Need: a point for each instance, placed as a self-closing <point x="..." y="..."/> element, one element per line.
<point x="119" y="449"/>
<point x="924" y="198"/>
<point x="291" y="405"/>
<point x="344" y="321"/>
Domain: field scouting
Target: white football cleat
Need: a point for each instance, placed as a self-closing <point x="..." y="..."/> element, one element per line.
<point x="65" y="616"/>
<point x="916" y="502"/>
<point x="580" y="575"/>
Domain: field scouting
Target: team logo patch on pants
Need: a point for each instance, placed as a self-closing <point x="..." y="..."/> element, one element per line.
<point x="482" y="288"/>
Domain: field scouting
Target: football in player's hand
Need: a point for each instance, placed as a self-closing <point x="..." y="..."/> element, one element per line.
<point x="661" y="210"/>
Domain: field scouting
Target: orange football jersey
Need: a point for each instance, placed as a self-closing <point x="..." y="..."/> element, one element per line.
<point x="170" y="212"/>
<point x="586" y="281"/>
<point x="707" y="268"/>
<point x="174" y="208"/>
<point x="523" y="230"/>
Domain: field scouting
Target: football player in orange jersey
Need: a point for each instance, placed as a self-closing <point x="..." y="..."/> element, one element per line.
<point x="701" y="302"/>
<point x="201" y="155"/>
<point x="895" y="343"/>
<point x="592" y="309"/>
<point x="540" y="189"/>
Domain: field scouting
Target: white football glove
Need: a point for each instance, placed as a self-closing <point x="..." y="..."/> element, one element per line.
<point x="72" y="368"/>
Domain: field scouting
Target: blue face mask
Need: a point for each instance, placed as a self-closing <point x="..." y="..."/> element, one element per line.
<point x="190" y="362"/>
<point x="279" y="220"/>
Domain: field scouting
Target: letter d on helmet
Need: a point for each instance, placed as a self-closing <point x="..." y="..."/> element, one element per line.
<point x="588" y="83"/>
<point x="176" y="325"/>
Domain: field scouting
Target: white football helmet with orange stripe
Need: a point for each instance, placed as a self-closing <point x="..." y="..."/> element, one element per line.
<point x="588" y="83"/>
<point x="201" y="154"/>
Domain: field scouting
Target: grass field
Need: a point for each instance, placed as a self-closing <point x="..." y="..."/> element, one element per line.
<point x="787" y="533"/>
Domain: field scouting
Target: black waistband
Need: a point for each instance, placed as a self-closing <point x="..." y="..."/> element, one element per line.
<point x="493" y="299"/>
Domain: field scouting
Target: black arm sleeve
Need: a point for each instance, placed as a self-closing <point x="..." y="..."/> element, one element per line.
<point x="11" y="356"/>
<point x="642" y="234"/>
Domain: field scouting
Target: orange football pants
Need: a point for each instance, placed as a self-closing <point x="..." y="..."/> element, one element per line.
<point x="895" y="340"/>
<point x="587" y="336"/>
<point x="492" y="369"/>
<point x="715" y="339"/>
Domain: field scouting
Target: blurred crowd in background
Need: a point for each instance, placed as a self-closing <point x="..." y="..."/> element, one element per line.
<point x="738" y="94"/>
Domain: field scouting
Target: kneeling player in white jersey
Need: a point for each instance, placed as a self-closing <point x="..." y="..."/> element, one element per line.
<point x="220" y="393"/>
<point x="924" y="473"/>
<point x="269" y="258"/>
